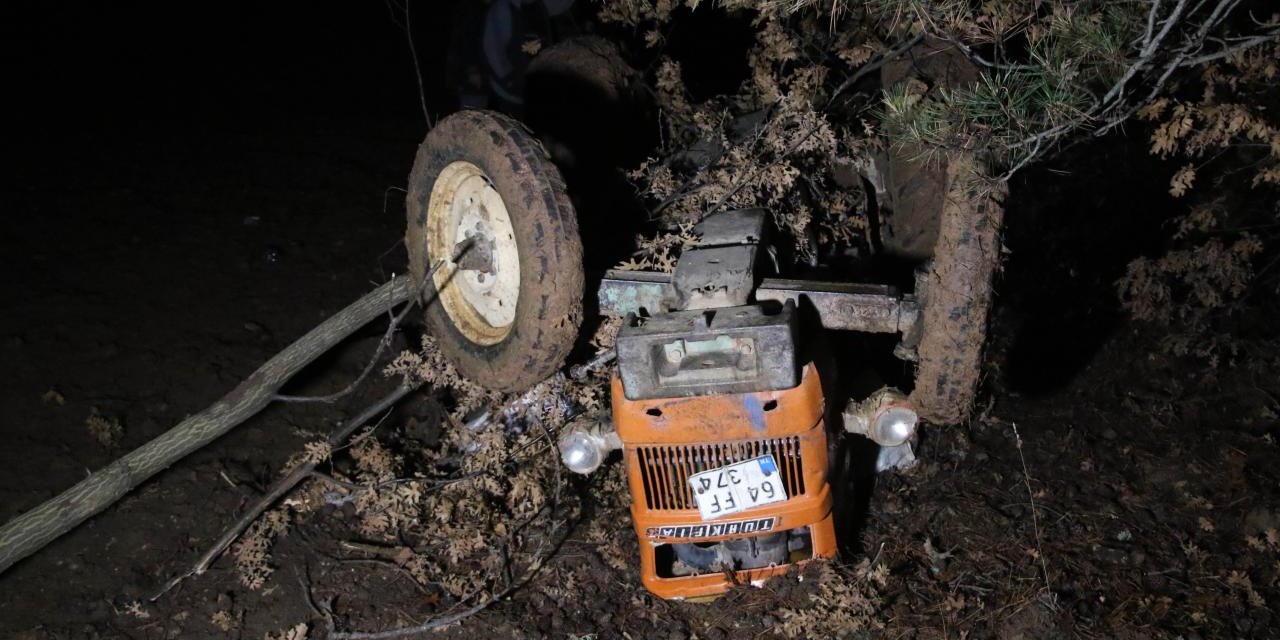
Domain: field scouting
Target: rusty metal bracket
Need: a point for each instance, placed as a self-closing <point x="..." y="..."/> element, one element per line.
<point x="714" y="277"/>
<point x="640" y="292"/>
<point x="870" y="308"/>
<point x="840" y="306"/>
<point x="742" y="226"/>
<point x="719" y="271"/>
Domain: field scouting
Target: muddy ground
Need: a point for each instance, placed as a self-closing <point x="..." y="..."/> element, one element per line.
<point x="163" y="235"/>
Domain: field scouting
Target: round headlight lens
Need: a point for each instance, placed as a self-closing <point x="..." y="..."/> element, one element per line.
<point x="581" y="452"/>
<point x="894" y="426"/>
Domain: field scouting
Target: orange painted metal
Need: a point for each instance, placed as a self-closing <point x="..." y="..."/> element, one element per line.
<point x="667" y="440"/>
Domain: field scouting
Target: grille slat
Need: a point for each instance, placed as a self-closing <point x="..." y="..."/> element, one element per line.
<point x="665" y="470"/>
<point x="796" y="479"/>
<point x="661" y="482"/>
<point x="672" y="500"/>
<point x="786" y="449"/>
<point x="658" y="495"/>
<point x="646" y="475"/>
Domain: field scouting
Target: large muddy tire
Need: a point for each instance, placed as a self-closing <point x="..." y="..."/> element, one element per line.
<point x="485" y="200"/>
<point x="946" y="213"/>
<point x="955" y="292"/>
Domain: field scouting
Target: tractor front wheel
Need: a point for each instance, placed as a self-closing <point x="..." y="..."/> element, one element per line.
<point x="487" y="203"/>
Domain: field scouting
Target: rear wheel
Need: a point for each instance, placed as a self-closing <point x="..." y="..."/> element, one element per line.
<point x="945" y="212"/>
<point x="485" y="201"/>
<point x="955" y="293"/>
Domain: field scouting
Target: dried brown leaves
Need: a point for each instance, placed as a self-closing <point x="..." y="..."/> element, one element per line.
<point x="845" y="601"/>
<point x="106" y="429"/>
<point x="253" y="551"/>
<point x="481" y="508"/>
<point x="769" y="145"/>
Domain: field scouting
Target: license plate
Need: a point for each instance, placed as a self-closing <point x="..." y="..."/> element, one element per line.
<point x="737" y="487"/>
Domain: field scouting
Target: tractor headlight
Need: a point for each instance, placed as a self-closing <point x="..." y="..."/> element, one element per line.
<point x="581" y="452"/>
<point x="585" y="444"/>
<point x="894" y="426"/>
<point x="885" y="417"/>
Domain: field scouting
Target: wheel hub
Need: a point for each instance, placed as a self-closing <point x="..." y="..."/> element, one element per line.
<point x="479" y="282"/>
<point x="473" y="251"/>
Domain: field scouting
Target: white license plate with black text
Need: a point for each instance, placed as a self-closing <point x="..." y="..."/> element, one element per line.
<point x="737" y="487"/>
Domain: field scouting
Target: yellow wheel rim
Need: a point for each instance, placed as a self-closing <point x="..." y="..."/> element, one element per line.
<point x="469" y="228"/>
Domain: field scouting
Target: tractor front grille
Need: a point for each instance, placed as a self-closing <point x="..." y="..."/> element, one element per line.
<point x="665" y="470"/>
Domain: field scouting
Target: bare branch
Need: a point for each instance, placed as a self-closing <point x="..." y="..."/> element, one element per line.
<point x="1144" y="56"/>
<point x="978" y="59"/>
<point x="1226" y="52"/>
<point x="874" y="65"/>
<point x="1151" y="22"/>
<point x="429" y="625"/>
<point x="385" y="342"/>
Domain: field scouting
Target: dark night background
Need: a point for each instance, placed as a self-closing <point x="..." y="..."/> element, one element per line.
<point x="188" y="187"/>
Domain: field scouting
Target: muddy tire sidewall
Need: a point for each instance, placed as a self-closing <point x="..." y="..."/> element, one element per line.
<point x="957" y="292"/>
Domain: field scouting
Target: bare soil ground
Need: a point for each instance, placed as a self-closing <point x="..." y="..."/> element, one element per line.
<point x="1105" y="490"/>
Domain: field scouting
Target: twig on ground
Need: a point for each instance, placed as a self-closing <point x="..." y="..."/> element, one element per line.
<point x="1035" y="518"/>
<point x="386" y="562"/>
<point x="323" y="611"/>
<point x="282" y="487"/>
<point x="577" y="373"/>
<point x="360" y="438"/>
<point x="443" y="621"/>
<point x="429" y="625"/>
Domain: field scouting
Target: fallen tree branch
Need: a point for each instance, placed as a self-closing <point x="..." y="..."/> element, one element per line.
<point x="383" y="343"/>
<point x="29" y="532"/>
<point x="393" y="323"/>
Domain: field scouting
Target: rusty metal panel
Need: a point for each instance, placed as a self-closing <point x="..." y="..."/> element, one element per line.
<point x="623" y="292"/>
<point x="742" y="226"/>
<point x="840" y="306"/>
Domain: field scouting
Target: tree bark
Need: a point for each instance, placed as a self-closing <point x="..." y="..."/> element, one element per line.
<point x="29" y="532"/>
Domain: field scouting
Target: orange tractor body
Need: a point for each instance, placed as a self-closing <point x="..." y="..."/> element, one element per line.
<point x="720" y="415"/>
<point x="667" y="441"/>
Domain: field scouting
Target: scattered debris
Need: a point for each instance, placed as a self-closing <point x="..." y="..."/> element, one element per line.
<point x="107" y="430"/>
<point x="53" y="398"/>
